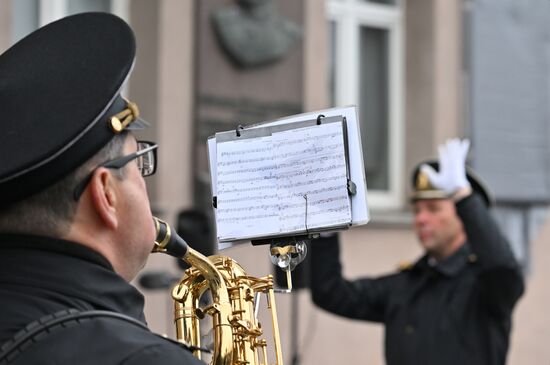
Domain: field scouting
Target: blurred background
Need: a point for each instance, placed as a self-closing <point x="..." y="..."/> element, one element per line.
<point x="420" y="71"/>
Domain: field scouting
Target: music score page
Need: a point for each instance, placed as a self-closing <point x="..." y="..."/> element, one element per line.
<point x="292" y="181"/>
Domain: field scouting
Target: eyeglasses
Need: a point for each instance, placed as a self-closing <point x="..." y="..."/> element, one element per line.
<point x="145" y="156"/>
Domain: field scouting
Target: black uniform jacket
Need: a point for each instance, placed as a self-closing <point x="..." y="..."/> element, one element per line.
<point x="455" y="312"/>
<point x="40" y="276"/>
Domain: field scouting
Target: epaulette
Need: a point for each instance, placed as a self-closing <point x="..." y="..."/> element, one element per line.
<point x="405" y="265"/>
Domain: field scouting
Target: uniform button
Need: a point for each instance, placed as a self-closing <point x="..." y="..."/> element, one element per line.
<point x="409" y="329"/>
<point x="472" y="258"/>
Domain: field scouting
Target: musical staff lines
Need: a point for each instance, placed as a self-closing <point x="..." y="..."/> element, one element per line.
<point x="262" y="182"/>
<point x="259" y="150"/>
<point x="306" y="139"/>
<point x="311" y="204"/>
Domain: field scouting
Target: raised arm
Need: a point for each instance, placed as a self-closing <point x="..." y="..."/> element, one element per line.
<point x="500" y="276"/>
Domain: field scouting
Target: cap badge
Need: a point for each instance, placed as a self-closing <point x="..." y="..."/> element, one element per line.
<point x="422" y="182"/>
<point x="121" y="120"/>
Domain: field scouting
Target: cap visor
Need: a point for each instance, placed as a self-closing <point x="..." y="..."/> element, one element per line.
<point x="138" y="124"/>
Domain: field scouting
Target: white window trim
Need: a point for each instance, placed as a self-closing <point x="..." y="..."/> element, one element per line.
<point x="348" y="16"/>
<point x="51" y="10"/>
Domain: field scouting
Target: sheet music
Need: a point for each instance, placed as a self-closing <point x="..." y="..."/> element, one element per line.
<point x="312" y="183"/>
<point x="247" y="188"/>
<point x="360" y="212"/>
<point x="290" y="181"/>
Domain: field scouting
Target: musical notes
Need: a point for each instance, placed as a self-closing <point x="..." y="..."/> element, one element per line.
<point x="312" y="162"/>
<point x="240" y="211"/>
<point x="291" y="181"/>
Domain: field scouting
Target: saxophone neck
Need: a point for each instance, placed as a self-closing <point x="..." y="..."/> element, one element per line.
<point x="170" y="243"/>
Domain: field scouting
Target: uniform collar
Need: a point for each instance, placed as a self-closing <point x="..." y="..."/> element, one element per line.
<point x="68" y="269"/>
<point x="450" y="266"/>
<point x="27" y="241"/>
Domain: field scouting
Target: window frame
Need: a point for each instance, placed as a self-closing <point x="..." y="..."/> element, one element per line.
<point x="50" y="10"/>
<point x="348" y="16"/>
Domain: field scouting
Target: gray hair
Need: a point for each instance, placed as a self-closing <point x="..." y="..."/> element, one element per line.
<point x="51" y="211"/>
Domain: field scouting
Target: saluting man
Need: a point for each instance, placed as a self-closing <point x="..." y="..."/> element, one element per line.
<point x="75" y="219"/>
<point x="454" y="305"/>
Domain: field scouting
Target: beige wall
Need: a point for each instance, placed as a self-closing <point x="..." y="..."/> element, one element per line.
<point x="531" y="328"/>
<point x="315" y="51"/>
<point x="433" y="48"/>
<point x="175" y="97"/>
<point x="162" y="85"/>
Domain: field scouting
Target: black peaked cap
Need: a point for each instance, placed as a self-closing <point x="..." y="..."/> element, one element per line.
<point x="59" y="86"/>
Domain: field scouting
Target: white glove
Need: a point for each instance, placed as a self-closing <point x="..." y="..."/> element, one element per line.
<point x="452" y="167"/>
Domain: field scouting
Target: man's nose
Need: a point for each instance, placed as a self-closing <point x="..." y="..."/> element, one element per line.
<point x="421" y="216"/>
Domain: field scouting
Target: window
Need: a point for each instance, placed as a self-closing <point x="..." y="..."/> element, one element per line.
<point x="25" y="18"/>
<point x="365" y="68"/>
<point x="28" y="15"/>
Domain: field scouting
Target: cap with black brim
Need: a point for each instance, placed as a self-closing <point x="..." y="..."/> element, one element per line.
<point x="423" y="189"/>
<point x="60" y="98"/>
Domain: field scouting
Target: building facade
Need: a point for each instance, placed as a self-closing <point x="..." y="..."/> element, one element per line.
<point x="419" y="71"/>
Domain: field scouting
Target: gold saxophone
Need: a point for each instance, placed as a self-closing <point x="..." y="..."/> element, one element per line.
<point x="236" y="330"/>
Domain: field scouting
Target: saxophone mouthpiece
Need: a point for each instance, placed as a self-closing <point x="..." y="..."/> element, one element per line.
<point x="168" y="241"/>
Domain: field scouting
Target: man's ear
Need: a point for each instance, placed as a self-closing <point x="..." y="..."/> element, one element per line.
<point x="103" y="195"/>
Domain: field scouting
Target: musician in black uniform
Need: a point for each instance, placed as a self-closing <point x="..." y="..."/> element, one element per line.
<point x="454" y="305"/>
<point x="75" y="220"/>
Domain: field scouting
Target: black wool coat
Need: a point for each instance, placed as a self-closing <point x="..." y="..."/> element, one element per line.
<point x="40" y="276"/>
<point x="454" y="312"/>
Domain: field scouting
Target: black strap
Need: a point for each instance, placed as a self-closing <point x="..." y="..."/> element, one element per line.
<point x="37" y="330"/>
